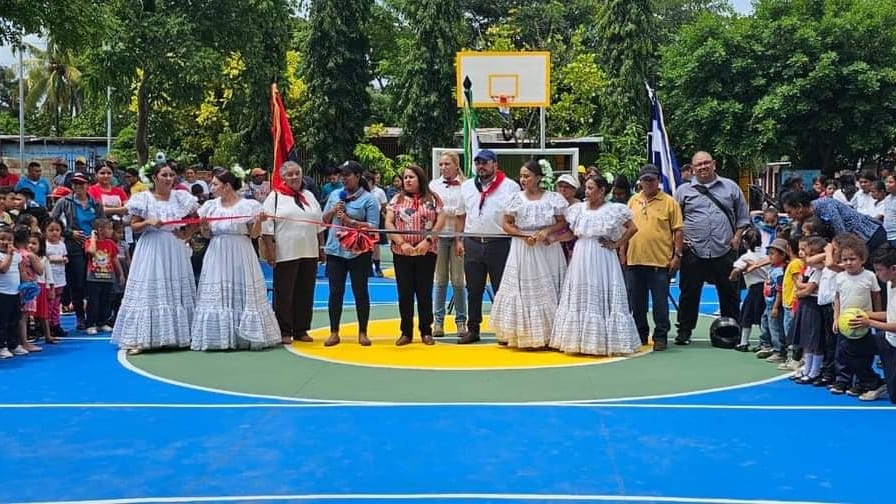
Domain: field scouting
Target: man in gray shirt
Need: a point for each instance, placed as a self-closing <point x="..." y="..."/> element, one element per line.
<point x="715" y="214"/>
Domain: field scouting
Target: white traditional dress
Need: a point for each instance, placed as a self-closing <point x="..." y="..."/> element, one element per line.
<point x="524" y="306"/>
<point x="157" y="308"/>
<point x="232" y="309"/>
<point x="593" y="316"/>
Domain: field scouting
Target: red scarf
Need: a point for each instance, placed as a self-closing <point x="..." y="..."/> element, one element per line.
<point x="452" y="182"/>
<point x="285" y="190"/>
<point x="499" y="177"/>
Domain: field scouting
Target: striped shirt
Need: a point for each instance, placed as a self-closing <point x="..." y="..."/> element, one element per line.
<point x="414" y="214"/>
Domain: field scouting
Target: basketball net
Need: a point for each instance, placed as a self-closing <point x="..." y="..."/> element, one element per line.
<point x="503" y="102"/>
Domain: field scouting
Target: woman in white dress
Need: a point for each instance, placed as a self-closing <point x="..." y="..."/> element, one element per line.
<point x="157" y="308"/>
<point x="593" y="316"/>
<point x="524" y="307"/>
<point x="232" y="310"/>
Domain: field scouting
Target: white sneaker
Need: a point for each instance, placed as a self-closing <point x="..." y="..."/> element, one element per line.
<point x="106" y="328"/>
<point x="91" y="331"/>
<point x="20" y="350"/>
<point x="5" y="353"/>
<point x="873" y="395"/>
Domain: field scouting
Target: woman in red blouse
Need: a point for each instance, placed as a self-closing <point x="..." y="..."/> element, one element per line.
<point x="103" y="192"/>
<point x="415" y="208"/>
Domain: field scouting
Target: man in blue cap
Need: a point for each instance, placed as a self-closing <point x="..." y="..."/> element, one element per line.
<point x="486" y="247"/>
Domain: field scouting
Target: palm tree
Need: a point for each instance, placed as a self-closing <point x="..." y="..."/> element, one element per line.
<point x="53" y="82"/>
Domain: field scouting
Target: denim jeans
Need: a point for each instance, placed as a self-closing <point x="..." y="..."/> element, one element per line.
<point x="644" y="280"/>
<point x="788" y="325"/>
<point x="449" y="265"/>
<point x="773" y="327"/>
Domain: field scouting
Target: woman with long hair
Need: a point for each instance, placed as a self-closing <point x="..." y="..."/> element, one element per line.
<point x="524" y="306"/>
<point x="449" y="265"/>
<point x="157" y="308"/>
<point x="232" y="310"/>
<point x="593" y="315"/>
<point x="417" y="209"/>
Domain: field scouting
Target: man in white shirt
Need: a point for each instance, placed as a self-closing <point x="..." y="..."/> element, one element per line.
<point x="862" y="201"/>
<point x="449" y="264"/>
<point x="485" y="255"/>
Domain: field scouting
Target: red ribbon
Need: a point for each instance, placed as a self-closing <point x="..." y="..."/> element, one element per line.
<point x="499" y="177"/>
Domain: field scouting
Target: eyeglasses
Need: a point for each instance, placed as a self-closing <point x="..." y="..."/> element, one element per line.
<point x="703" y="164"/>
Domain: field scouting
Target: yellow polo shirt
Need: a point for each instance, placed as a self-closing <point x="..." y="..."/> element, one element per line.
<point x="788" y="290"/>
<point x="657" y="221"/>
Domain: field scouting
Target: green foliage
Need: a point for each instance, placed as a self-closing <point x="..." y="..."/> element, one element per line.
<point x="811" y="79"/>
<point x="9" y="123"/>
<point x="625" y="50"/>
<point x="337" y="74"/>
<point x="70" y="22"/>
<point x="624" y="154"/>
<point x="428" y="110"/>
<point x="372" y="158"/>
<point x="576" y="86"/>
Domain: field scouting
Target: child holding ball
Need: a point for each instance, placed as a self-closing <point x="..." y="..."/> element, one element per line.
<point x="857" y="288"/>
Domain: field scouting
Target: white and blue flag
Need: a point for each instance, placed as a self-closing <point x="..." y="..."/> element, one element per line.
<point x="660" y="151"/>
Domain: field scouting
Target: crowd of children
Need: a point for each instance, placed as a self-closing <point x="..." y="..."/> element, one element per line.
<point x="798" y="285"/>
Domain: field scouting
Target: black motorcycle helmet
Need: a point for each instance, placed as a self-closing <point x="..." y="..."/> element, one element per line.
<point x="724" y="333"/>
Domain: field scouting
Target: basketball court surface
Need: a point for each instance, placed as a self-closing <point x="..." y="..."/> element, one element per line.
<point x="445" y="423"/>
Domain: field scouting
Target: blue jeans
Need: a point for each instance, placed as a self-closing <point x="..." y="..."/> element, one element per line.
<point x="788" y="326"/>
<point x="774" y="327"/>
<point x="644" y="280"/>
<point x="449" y="265"/>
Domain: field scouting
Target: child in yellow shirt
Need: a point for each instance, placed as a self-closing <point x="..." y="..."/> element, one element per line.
<point x="788" y="301"/>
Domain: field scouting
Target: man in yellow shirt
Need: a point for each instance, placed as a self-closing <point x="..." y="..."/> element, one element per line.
<point x="653" y="255"/>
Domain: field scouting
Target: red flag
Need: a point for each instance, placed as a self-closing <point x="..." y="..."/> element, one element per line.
<point x="281" y="134"/>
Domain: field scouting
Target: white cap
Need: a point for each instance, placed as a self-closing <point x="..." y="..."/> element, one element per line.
<point x="572" y="180"/>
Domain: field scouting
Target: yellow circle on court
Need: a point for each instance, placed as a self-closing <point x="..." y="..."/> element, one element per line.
<point x="446" y="354"/>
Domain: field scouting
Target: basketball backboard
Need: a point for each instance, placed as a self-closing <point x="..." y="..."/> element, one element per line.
<point x="522" y="78"/>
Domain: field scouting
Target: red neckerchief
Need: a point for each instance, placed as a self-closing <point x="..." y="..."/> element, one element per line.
<point x="416" y="201"/>
<point x="499" y="177"/>
<point x="285" y="190"/>
<point x="452" y="182"/>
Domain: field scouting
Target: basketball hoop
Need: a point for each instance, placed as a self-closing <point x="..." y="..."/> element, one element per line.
<point x="504" y="101"/>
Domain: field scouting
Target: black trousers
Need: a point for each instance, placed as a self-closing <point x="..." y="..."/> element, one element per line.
<point x="10" y="313"/>
<point x="294" y="295"/>
<point x="338" y="270"/>
<point x="481" y="261"/>
<point x="653" y="281"/>
<point x="414" y="278"/>
<point x="76" y="276"/>
<point x="99" y="302"/>
<point x="858" y="356"/>
<point x="695" y="272"/>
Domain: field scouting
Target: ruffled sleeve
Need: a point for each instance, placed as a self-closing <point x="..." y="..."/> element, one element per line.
<point x="206" y="209"/>
<point x="514" y="204"/>
<point x="185" y="203"/>
<point x="138" y="205"/>
<point x="558" y="203"/>
<point x="573" y="213"/>
<point x="392" y="205"/>
<point x="621" y="214"/>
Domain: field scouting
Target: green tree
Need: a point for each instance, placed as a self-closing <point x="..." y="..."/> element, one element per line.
<point x="69" y="22"/>
<point x="427" y="103"/>
<point x="709" y="83"/>
<point x="625" y="49"/>
<point x="53" y="82"/>
<point x="337" y="74"/>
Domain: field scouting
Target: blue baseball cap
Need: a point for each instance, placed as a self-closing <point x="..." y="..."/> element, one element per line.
<point x="486" y="155"/>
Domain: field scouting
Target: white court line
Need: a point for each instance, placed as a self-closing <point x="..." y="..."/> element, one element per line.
<point x="431" y="496"/>
<point x="123" y="361"/>
<point x="593" y="405"/>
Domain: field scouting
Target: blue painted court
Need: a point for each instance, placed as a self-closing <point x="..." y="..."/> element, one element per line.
<point x="84" y="427"/>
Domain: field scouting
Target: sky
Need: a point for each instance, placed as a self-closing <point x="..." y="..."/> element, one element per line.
<point x="7" y="58"/>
